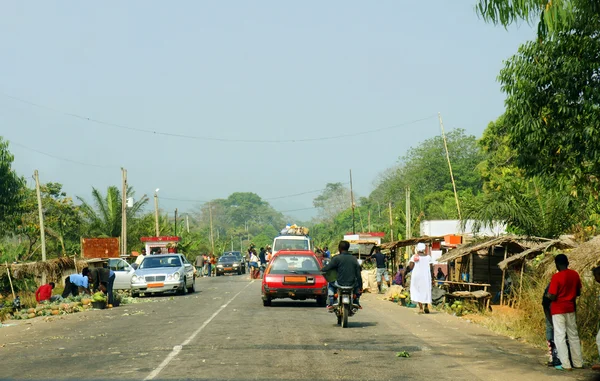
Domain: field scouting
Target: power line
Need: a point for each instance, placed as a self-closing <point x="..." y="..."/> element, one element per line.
<point x="209" y="138"/>
<point x="61" y="158"/>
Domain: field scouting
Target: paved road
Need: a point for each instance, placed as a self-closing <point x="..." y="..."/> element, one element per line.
<point x="224" y="333"/>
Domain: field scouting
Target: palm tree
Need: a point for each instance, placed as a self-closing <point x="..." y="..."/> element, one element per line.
<point x="104" y="218"/>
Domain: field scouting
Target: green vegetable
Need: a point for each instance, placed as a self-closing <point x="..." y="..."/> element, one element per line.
<point x="403" y="354"/>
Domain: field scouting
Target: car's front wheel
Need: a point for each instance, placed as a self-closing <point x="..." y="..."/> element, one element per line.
<point x="192" y="289"/>
<point x="183" y="289"/>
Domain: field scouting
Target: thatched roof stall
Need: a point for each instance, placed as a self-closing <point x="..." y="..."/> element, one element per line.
<point x="536" y="250"/>
<point x="53" y="268"/>
<point x="582" y="259"/>
<point x="477" y="262"/>
<point x="410" y="242"/>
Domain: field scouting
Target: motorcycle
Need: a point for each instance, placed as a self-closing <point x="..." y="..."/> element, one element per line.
<point x="345" y="306"/>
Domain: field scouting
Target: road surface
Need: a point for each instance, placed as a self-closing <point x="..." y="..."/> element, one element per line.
<point x="223" y="332"/>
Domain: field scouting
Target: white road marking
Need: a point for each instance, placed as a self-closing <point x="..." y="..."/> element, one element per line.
<point x="178" y="348"/>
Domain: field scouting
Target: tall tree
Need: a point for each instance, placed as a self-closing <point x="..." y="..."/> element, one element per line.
<point x="553" y="103"/>
<point x="333" y="200"/>
<point x="104" y="215"/>
<point x="11" y="185"/>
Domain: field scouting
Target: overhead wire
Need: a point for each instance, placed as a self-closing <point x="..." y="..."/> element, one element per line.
<point x="210" y="138"/>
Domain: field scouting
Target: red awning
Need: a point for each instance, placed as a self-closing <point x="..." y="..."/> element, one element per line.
<point x="161" y="239"/>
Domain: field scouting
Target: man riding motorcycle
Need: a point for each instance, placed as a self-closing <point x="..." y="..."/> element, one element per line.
<point x="348" y="273"/>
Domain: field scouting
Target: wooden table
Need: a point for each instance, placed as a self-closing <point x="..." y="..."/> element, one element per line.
<point x="450" y="284"/>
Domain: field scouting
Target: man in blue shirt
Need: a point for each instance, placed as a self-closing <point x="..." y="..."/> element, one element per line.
<point x="73" y="282"/>
<point x="326" y="252"/>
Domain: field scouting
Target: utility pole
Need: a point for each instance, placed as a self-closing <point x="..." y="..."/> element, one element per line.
<point x="391" y="224"/>
<point x="408" y="218"/>
<point x="175" y="222"/>
<point x="369" y="220"/>
<point x="352" y="200"/>
<point x="212" y="240"/>
<point x="124" y="212"/>
<point x="187" y="222"/>
<point x="156" y="212"/>
<point x="231" y="243"/>
<point x="41" y="216"/>
<point x="449" y="166"/>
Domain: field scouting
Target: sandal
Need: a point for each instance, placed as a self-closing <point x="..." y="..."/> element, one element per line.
<point x="426" y="310"/>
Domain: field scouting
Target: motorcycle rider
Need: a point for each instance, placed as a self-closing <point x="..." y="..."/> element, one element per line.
<point x="348" y="273"/>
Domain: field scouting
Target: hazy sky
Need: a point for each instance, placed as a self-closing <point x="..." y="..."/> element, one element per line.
<point x="252" y="70"/>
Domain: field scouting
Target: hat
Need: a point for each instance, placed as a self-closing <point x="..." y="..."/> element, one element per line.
<point x="420" y="246"/>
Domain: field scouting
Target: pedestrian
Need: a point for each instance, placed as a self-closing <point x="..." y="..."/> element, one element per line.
<point x="254" y="264"/>
<point x="326" y="252"/>
<point x="552" y="352"/>
<point x="596" y="272"/>
<point x="200" y="264"/>
<point x="399" y="277"/>
<point x="422" y="277"/>
<point x="381" y="262"/>
<point x="440" y="276"/>
<point x="103" y="275"/>
<point x="269" y="255"/>
<point x="141" y="256"/>
<point x="74" y="281"/>
<point x="262" y="257"/>
<point x="44" y="292"/>
<point x="564" y="289"/>
<point x="212" y="261"/>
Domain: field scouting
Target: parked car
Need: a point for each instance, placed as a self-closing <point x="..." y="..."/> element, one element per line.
<point x="163" y="273"/>
<point x="123" y="273"/>
<point x="228" y="264"/>
<point x="240" y="257"/>
<point x="294" y="274"/>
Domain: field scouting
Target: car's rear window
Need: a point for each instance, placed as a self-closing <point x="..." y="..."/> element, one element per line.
<point x="295" y="264"/>
<point x="151" y="263"/>
<point x="229" y="258"/>
<point x="290" y="244"/>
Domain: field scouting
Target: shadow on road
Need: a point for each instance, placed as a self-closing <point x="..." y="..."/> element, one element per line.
<point x="295" y="304"/>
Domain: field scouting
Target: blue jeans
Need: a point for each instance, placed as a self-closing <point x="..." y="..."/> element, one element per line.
<point x="331" y="288"/>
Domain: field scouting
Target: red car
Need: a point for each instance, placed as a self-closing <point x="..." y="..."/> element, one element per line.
<point x="294" y="274"/>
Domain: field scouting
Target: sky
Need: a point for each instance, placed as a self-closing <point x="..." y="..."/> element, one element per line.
<point x="272" y="97"/>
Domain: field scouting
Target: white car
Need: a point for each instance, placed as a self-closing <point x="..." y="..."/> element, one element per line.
<point x="123" y="273"/>
<point x="163" y="273"/>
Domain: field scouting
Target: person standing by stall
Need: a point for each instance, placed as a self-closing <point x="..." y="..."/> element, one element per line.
<point x="200" y="264"/>
<point x="422" y="278"/>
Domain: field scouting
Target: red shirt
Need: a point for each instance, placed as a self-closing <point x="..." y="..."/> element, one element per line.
<point x="565" y="285"/>
<point x="43" y="293"/>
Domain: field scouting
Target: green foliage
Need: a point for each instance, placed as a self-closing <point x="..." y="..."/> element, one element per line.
<point x="333" y="200"/>
<point x="537" y="206"/>
<point x="425" y="170"/>
<point x="552" y="104"/>
<point x="104" y="217"/>
<point x="551" y="15"/>
<point x="11" y="185"/>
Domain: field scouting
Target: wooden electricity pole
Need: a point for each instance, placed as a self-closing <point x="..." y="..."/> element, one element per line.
<point x="391" y="224"/>
<point x="212" y="240"/>
<point x="352" y="200"/>
<point x="408" y="218"/>
<point x="187" y="222"/>
<point x="124" y="212"/>
<point x="175" y="222"/>
<point x="369" y="220"/>
<point x="41" y="217"/>
<point x="449" y="166"/>
<point x="156" y="213"/>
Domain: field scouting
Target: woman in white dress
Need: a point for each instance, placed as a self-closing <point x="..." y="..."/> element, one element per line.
<point x="421" y="280"/>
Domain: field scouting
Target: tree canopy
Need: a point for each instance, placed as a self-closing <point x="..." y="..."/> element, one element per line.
<point x="11" y="185"/>
<point x="553" y="103"/>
